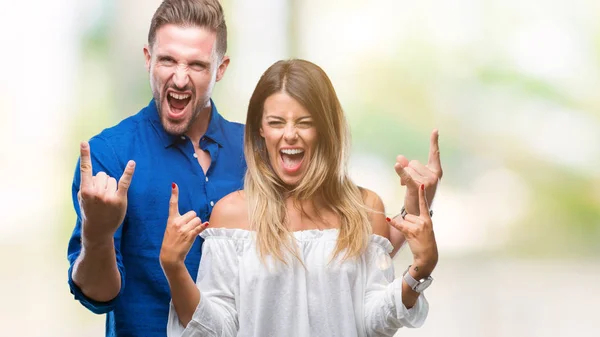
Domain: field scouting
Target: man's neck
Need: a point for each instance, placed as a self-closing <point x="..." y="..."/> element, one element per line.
<point x="200" y="125"/>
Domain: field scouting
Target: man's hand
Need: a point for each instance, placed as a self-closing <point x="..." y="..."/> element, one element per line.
<point x="414" y="174"/>
<point x="180" y="233"/>
<point x="102" y="201"/>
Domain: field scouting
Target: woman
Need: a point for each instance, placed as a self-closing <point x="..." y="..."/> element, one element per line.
<point x="301" y="251"/>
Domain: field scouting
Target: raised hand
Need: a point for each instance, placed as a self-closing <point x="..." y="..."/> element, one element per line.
<point x="414" y="174"/>
<point x="180" y="233"/>
<point x="102" y="200"/>
<point x="418" y="231"/>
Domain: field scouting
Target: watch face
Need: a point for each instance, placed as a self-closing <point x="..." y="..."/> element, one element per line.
<point x="423" y="285"/>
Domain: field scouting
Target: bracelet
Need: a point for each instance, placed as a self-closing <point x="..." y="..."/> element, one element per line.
<point x="403" y="212"/>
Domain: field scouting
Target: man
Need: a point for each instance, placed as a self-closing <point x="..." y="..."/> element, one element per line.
<point x="181" y="138"/>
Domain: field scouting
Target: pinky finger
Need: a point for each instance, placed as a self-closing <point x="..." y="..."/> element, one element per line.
<point x="401" y="226"/>
<point x="200" y="228"/>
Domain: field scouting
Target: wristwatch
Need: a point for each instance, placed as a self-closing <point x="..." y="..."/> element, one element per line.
<point x="403" y="212"/>
<point x="416" y="285"/>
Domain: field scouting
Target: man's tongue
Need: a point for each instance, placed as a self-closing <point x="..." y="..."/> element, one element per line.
<point x="177" y="105"/>
<point x="292" y="161"/>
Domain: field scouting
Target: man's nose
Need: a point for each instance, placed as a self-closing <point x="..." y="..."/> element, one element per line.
<point x="181" y="76"/>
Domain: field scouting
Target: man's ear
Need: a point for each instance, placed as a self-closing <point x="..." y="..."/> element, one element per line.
<point x="147" y="56"/>
<point x="222" y="67"/>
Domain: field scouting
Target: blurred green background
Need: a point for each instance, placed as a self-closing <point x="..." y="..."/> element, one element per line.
<point x="513" y="86"/>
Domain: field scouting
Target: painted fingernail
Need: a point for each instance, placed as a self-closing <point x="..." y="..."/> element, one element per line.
<point x="173" y="185"/>
<point x="388" y="219"/>
<point x="422" y="187"/>
<point x="205" y="224"/>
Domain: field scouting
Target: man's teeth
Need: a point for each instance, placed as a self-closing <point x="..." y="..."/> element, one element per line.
<point x="179" y="96"/>
<point x="292" y="151"/>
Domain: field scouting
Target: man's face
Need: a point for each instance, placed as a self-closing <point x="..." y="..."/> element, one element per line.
<point x="183" y="66"/>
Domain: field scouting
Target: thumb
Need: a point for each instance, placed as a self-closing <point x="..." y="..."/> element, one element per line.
<point x="174" y="201"/>
<point x="125" y="180"/>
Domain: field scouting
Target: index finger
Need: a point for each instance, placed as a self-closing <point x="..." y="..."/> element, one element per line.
<point x="434" y="151"/>
<point x="85" y="164"/>
<point x="174" y="201"/>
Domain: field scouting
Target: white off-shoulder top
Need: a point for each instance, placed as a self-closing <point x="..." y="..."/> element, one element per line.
<point x="241" y="296"/>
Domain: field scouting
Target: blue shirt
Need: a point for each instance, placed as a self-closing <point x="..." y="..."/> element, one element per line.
<point x="142" y="305"/>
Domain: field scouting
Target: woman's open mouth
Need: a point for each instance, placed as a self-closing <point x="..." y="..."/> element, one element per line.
<point x="291" y="159"/>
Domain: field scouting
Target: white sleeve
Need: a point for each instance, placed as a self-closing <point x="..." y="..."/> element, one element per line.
<point x="216" y="314"/>
<point x="384" y="311"/>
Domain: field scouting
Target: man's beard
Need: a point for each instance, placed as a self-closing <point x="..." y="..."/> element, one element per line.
<point x="176" y="128"/>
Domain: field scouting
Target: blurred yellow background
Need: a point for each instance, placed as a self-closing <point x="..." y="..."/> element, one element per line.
<point x="513" y="86"/>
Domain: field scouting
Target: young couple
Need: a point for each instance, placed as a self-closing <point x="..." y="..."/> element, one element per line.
<point x="292" y="247"/>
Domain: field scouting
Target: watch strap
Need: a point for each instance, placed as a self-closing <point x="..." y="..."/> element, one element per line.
<point x="414" y="284"/>
<point x="403" y="212"/>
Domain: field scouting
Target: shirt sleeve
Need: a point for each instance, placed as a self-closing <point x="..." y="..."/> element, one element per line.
<point x="216" y="314"/>
<point x="103" y="160"/>
<point x="384" y="311"/>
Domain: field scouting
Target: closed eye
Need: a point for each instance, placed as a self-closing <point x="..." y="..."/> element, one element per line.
<point x="198" y="66"/>
<point x="305" y="123"/>
<point x="166" y="60"/>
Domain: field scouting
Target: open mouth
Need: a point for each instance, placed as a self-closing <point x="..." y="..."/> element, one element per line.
<point x="291" y="159"/>
<point x="177" y="103"/>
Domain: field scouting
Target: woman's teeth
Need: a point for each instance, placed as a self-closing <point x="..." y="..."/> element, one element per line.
<point x="292" y="151"/>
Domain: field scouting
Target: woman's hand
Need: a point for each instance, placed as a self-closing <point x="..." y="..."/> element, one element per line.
<point x="180" y="233"/>
<point x="418" y="231"/>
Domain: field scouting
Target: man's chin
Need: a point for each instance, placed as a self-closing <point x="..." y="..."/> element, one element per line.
<point x="175" y="128"/>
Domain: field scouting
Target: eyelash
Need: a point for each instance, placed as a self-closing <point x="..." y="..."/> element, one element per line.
<point x="275" y="123"/>
<point x="194" y="66"/>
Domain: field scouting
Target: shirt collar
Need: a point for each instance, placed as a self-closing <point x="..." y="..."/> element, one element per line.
<point x="214" y="130"/>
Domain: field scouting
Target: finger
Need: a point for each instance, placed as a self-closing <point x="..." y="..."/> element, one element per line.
<point x="402" y="226"/>
<point x="405" y="178"/>
<point x="111" y="186"/>
<point x="414" y="181"/>
<point x="187" y="217"/>
<point x="125" y="180"/>
<point x="174" y="201"/>
<point x="412" y="219"/>
<point x="402" y="160"/>
<point x="434" y="151"/>
<point x="423" y="207"/>
<point x="100" y="181"/>
<point x="201" y="228"/>
<point x="421" y="169"/>
<point x="191" y="225"/>
<point x="85" y="164"/>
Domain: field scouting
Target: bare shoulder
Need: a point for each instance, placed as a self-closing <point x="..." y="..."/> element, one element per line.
<point x="376" y="211"/>
<point x="230" y="212"/>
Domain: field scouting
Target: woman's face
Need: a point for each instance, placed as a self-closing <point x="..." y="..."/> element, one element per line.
<point x="290" y="136"/>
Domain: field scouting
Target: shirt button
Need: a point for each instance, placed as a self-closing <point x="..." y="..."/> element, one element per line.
<point x="202" y="138"/>
<point x="183" y="137"/>
<point x="212" y="203"/>
<point x="206" y="179"/>
<point x="195" y="155"/>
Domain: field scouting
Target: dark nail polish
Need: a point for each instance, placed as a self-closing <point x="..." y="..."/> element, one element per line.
<point x="173" y="185"/>
<point x="423" y="187"/>
<point x="388" y="219"/>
